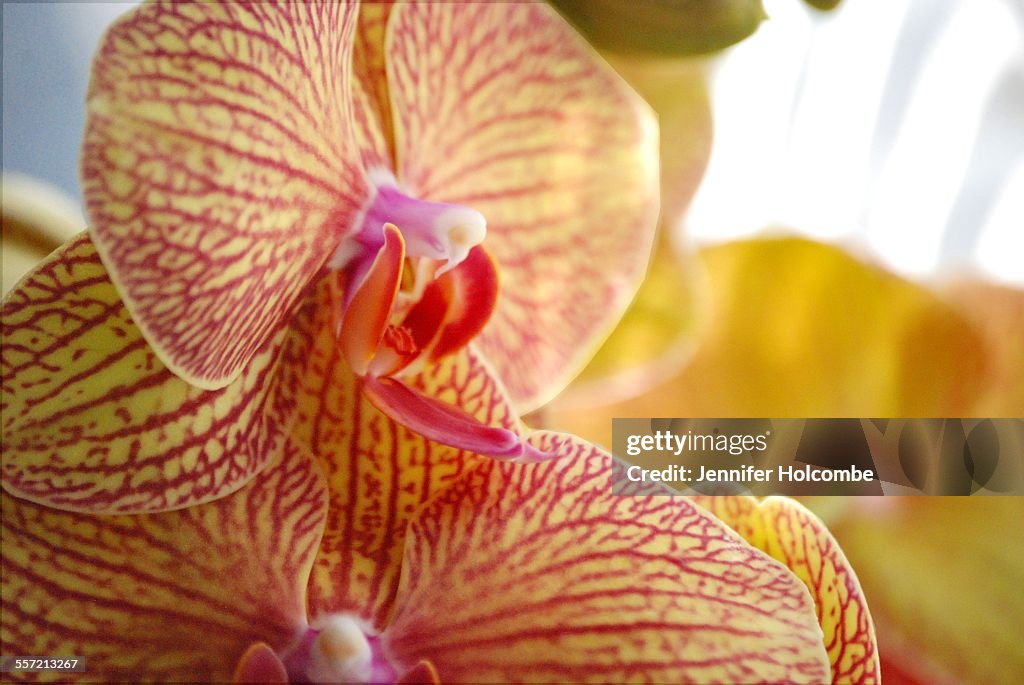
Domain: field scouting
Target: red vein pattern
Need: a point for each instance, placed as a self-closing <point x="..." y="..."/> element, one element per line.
<point x="538" y="573"/>
<point x="371" y="103"/>
<point x="219" y="169"/>
<point x="226" y="148"/>
<point x="504" y="108"/>
<point x="788" y="532"/>
<point x="92" y="421"/>
<point x="378" y="471"/>
<point x="170" y="597"/>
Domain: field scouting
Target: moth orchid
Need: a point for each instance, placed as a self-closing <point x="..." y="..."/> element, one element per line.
<point x="361" y="550"/>
<point x="421" y="563"/>
<point x="236" y="155"/>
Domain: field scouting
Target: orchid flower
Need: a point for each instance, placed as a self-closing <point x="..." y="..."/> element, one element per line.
<point x="894" y="348"/>
<point x="510" y="573"/>
<point x="238" y="157"/>
<point x="363" y="551"/>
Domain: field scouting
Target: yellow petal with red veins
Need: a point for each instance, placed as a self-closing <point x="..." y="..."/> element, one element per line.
<point x="170" y="597"/>
<point x="677" y="90"/>
<point x="944" y="575"/>
<point x="371" y="103"/>
<point x="653" y="339"/>
<point x="790" y="533"/>
<point x="504" y="108"/>
<point x="92" y="421"/>
<point x="220" y="169"/>
<point x="379" y="471"/>
<point x="539" y="573"/>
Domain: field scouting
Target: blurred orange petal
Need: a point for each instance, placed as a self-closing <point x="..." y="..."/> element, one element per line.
<point x="798" y="328"/>
<point x="998" y="314"/>
<point x="944" y="576"/>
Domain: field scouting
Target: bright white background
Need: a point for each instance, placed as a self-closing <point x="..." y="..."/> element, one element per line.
<point x="895" y="127"/>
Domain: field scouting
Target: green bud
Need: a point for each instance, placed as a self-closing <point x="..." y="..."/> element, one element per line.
<point x="663" y="27"/>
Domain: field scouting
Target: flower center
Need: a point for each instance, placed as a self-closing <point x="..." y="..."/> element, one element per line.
<point x="434" y="230"/>
<point x="338" y="650"/>
<point x="417" y="284"/>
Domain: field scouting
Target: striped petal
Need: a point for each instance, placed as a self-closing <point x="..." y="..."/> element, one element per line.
<point x="92" y="421"/>
<point x="538" y="573"/>
<point x="790" y="533"/>
<point x="170" y="597"/>
<point x="220" y="170"/>
<point x="371" y="104"/>
<point x="502" y="107"/>
<point x="378" y="471"/>
<point x="654" y="338"/>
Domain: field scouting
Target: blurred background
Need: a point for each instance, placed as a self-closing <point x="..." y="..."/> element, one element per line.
<point x="894" y="126"/>
<point x="855" y="248"/>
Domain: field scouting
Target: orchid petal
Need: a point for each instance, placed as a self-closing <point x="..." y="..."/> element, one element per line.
<point x="998" y="314"/>
<point x="788" y="532"/>
<point x="539" y="573"/>
<point x="802" y="329"/>
<point x="378" y="471"/>
<point x="502" y="107"/>
<point x="219" y="170"/>
<point x="654" y="338"/>
<point x="92" y="421"/>
<point x="444" y="423"/>
<point x="366" y="316"/>
<point x="260" y="664"/>
<point x="195" y="586"/>
<point x="944" y="576"/>
<point x="848" y="338"/>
